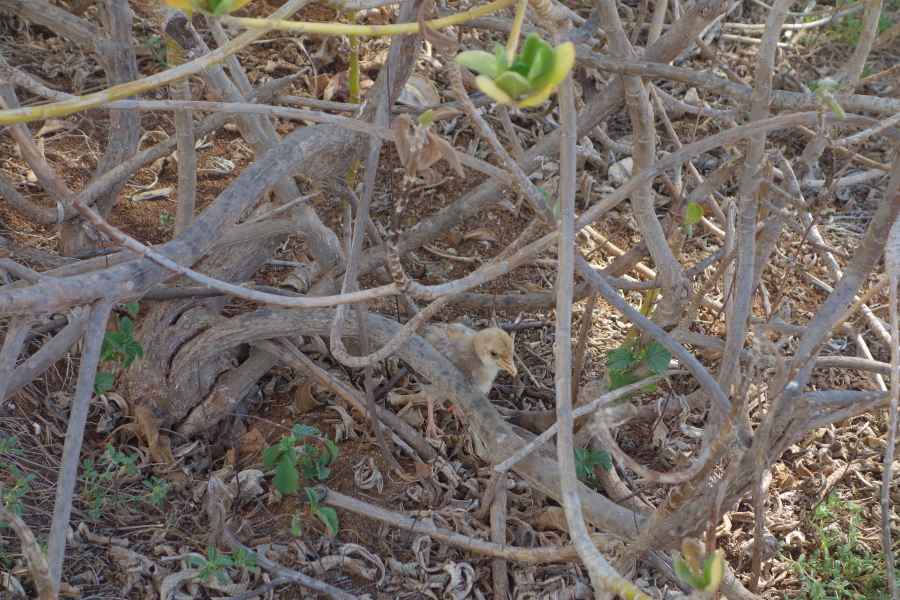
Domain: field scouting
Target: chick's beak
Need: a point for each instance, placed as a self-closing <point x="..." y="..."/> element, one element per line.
<point x="508" y="364"/>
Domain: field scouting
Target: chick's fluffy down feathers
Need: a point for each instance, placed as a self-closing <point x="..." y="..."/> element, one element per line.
<point x="479" y="356"/>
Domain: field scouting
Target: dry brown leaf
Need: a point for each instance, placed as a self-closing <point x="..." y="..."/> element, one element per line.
<point x="481" y="234"/>
<point x="251" y="444"/>
<point x="304" y="399"/>
<point x="158" y="444"/>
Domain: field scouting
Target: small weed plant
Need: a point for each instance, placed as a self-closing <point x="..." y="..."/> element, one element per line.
<point x="838" y="568"/>
<point x="289" y="461"/>
<point x="119" y="346"/>
<point x="12" y="495"/>
<point x="622" y="362"/>
<point x="102" y="489"/>
<point x="586" y="461"/>
<point x="326" y="514"/>
<point x="157" y="48"/>
<point x="216" y="563"/>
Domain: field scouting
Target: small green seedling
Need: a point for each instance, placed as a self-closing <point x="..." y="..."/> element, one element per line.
<point x="325" y="513"/>
<point x="586" y="461"/>
<point x="623" y="360"/>
<point x="215" y="563"/>
<point x="7" y="448"/>
<point x="157" y="48"/>
<point x="526" y="80"/>
<point x="156" y="491"/>
<point x="285" y="458"/>
<point x="99" y="486"/>
<point x="166" y="220"/>
<point x="12" y="495"/>
<point x="692" y="215"/>
<point x="245" y="559"/>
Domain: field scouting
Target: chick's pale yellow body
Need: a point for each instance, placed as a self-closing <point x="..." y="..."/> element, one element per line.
<point x="479" y="356"/>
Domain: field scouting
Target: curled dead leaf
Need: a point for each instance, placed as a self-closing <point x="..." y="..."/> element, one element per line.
<point x="481" y="234"/>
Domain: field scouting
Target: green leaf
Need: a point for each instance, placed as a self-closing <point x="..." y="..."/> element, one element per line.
<point x="513" y="84"/>
<point x="713" y="572"/>
<point x="103" y="381"/>
<point x="303" y="431"/>
<point x="295" y="527"/>
<point x="313" y="496"/>
<point x="287" y="479"/>
<point x="501" y="61"/>
<point x="619" y="379"/>
<point x="520" y="67"/>
<point x="683" y="572"/>
<point x="132" y="308"/>
<point x="426" y="118"/>
<point x="619" y="359"/>
<point x="196" y="560"/>
<point x="127" y="327"/>
<point x="486" y="85"/>
<point x="333" y="450"/>
<point x="601" y="458"/>
<point x="531" y="47"/>
<point x="563" y="59"/>
<point x="480" y="62"/>
<point x="582" y="458"/>
<point x="538" y="55"/>
<point x="328" y="517"/>
<point x="693" y="214"/>
<point x="657" y="357"/>
<point x="270" y="456"/>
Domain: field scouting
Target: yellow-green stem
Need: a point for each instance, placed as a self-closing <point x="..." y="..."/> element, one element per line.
<point x="370" y="30"/>
<point x="513" y="42"/>
<point x="353" y="73"/>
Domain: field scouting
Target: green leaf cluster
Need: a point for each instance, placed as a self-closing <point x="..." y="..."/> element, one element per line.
<point x="99" y="487"/>
<point x="119" y="346"/>
<point x="621" y="361"/>
<point x="529" y="78"/>
<point x="586" y="461"/>
<point x="289" y="461"/>
<point x="12" y="495"/>
<point x="217" y="563"/>
<point x="841" y="567"/>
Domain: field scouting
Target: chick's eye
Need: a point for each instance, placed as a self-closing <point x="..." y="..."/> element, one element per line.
<point x="494" y="353"/>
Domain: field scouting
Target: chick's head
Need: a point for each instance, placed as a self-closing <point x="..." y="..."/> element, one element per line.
<point x="494" y="347"/>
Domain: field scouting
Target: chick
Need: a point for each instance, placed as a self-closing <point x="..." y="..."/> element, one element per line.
<point x="479" y="356"/>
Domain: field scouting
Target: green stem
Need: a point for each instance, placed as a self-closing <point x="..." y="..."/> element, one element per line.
<point x="513" y="41"/>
